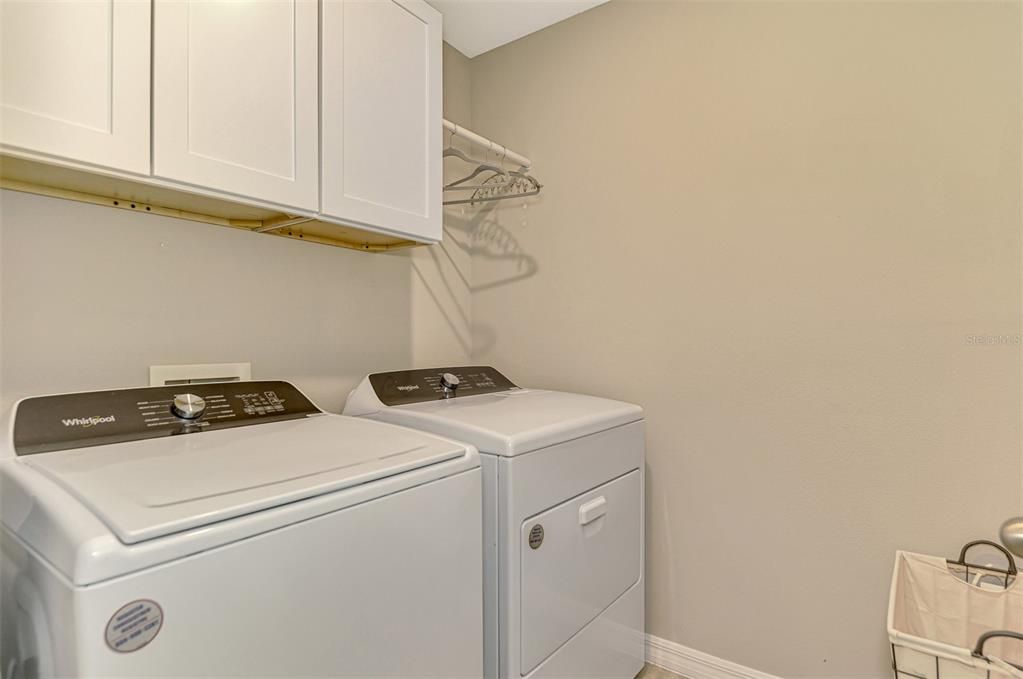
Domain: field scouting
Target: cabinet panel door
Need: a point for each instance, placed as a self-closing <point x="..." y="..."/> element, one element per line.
<point x="235" y="105"/>
<point x="75" y="80"/>
<point x="381" y="122"/>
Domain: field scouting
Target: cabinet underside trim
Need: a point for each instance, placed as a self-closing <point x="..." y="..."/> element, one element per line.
<point x="287" y="226"/>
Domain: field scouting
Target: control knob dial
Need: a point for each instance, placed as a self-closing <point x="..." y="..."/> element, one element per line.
<point x="449" y="383"/>
<point x="188" y="406"/>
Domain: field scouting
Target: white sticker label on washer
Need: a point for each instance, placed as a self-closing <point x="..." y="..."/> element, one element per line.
<point x="134" y="625"/>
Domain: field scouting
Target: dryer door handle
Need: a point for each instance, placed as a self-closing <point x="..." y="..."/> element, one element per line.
<point x="592" y="510"/>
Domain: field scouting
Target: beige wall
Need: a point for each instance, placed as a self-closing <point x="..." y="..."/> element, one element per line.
<point x="775" y="226"/>
<point x="91" y="297"/>
<point x="440" y="301"/>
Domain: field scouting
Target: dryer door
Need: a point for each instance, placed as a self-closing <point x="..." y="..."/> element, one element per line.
<point x="577" y="558"/>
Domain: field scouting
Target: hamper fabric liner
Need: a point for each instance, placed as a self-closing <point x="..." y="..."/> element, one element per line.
<point x="935" y="620"/>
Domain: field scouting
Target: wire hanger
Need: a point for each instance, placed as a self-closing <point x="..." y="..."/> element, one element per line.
<point x="459" y="184"/>
<point x="502" y="184"/>
<point x="522" y="185"/>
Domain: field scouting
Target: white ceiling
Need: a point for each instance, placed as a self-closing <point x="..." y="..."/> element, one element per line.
<point x="477" y="26"/>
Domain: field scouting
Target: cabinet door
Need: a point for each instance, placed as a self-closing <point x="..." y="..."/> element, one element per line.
<point x="235" y="104"/>
<point x="381" y="125"/>
<point x="75" y="80"/>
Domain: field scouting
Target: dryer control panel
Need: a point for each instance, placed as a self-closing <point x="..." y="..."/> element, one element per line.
<point x="46" y="423"/>
<point x="402" y="387"/>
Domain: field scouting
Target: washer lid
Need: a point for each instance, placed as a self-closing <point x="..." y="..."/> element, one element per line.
<point x="517" y="421"/>
<point x="150" y="488"/>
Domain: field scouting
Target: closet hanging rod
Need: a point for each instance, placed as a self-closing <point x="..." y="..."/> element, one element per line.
<point x="502" y="151"/>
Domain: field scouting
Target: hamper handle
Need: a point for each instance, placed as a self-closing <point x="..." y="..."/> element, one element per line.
<point x="1008" y="557"/>
<point x="978" y="652"/>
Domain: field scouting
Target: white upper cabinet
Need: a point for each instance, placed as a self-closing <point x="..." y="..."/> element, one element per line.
<point x="235" y="97"/>
<point x="381" y="116"/>
<point x="75" y="81"/>
<point x="326" y="109"/>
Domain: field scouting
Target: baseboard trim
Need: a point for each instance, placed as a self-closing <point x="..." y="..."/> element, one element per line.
<point x="693" y="664"/>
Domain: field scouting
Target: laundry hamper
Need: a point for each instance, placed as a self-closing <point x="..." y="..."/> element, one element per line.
<point x="954" y="619"/>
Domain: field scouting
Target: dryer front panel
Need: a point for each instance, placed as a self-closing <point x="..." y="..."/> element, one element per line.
<point x="577" y="558"/>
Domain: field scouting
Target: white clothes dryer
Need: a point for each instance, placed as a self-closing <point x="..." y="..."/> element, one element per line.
<point x="563" y="517"/>
<point x="235" y="530"/>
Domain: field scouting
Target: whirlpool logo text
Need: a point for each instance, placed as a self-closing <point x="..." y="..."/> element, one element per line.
<point x="88" y="421"/>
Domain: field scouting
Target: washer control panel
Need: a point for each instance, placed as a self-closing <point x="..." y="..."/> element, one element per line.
<point x="47" y="423"/>
<point x="402" y="387"/>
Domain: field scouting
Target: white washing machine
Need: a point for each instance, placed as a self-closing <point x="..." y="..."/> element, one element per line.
<point x="563" y="484"/>
<point x="234" y="531"/>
